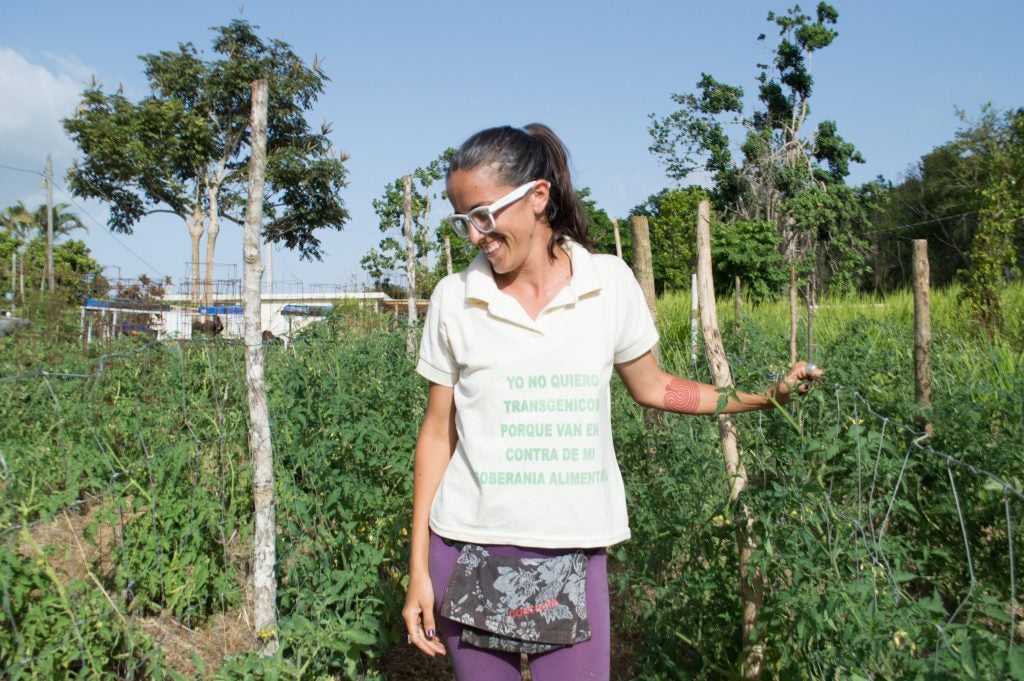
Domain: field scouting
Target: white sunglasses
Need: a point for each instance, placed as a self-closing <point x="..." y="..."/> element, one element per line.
<point x="482" y="217"/>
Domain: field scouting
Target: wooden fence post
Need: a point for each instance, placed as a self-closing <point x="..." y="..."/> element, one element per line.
<point x="410" y="262"/>
<point x="694" y="318"/>
<point x="264" y="554"/>
<point x="922" y="334"/>
<point x="794" y="315"/>
<point x="618" y="237"/>
<point x="736" y="316"/>
<point x="812" y="310"/>
<point x="751" y="580"/>
<point x="643" y="266"/>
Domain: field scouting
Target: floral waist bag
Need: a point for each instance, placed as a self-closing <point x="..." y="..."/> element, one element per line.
<point x="526" y="605"/>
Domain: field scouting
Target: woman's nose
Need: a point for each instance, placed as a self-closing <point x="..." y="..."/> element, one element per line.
<point x="474" y="235"/>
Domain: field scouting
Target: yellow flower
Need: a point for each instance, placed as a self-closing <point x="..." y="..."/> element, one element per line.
<point x="901" y="638"/>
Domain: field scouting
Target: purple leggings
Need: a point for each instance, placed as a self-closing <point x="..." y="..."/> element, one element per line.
<point x="587" y="660"/>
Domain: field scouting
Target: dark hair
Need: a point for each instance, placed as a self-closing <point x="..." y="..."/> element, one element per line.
<point x="534" y="152"/>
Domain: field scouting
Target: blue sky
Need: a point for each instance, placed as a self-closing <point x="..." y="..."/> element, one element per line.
<point x="409" y="79"/>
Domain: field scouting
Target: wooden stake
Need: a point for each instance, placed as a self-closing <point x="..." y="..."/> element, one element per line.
<point x="736" y="315"/>
<point x="643" y="266"/>
<point x="812" y="311"/>
<point x="751" y="580"/>
<point x="264" y="553"/>
<point x="410" y="263"/>
<point x="694" y="318"/>
<point x="794" y="314"/>
<point x="49" y="222"/>
<point x="922" y="334"/>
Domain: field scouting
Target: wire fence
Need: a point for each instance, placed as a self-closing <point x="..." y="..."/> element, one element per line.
<point x="124" y="531"/>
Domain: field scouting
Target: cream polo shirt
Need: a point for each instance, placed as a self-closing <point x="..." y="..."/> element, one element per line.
<point x="534" y="465"/>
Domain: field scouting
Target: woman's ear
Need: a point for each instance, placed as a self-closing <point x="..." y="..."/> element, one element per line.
<point x="539" y="197"/>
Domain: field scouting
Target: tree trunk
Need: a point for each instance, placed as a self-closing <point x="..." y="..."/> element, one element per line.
<point x="264" y="557"/>
<point x="195" y="232"/>
<point x="751" y="580"/>
<point x="410" y="262"/>
<point x="212" y="230"/>
<point x="618" y="237"/>
<point x="448" y="253"/>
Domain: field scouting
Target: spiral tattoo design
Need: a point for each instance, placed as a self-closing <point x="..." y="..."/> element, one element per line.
<point x="682" y="396"/>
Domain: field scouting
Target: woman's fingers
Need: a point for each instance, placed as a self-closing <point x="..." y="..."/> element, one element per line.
<point x="419" y="625"/>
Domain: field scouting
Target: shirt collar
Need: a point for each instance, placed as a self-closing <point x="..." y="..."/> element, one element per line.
<point x="480" y="284"/>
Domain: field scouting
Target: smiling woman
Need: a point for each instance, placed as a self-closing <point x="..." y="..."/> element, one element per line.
<point x="532" y="329"/>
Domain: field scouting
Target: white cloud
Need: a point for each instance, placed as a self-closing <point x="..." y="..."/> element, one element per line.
<point x="72" y="66"/>
<point x="36" y="98"/>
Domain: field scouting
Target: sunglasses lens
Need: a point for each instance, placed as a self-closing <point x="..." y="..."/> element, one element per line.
<point x="483" y="220"/>
<point x="459" y="226"/>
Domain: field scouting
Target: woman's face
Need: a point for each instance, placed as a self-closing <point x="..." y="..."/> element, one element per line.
<point x="521" y="231"/>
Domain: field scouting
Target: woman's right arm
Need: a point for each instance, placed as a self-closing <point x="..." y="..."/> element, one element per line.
<point x="434" y="448"/>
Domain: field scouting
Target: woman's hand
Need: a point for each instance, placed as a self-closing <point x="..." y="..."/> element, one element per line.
<point x="419" y="615"/>
<point x="799" y="376"/>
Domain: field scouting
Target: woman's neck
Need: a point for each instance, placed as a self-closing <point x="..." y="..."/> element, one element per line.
<point x="536" y="285"/>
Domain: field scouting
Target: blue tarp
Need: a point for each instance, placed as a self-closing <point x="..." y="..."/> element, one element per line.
<point x="126" y="304"/>
<point x="307" y="310"/>
<point x="222" y="309"/>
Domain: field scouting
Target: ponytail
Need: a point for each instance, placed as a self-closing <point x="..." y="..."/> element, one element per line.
<point x="519" y="155"/>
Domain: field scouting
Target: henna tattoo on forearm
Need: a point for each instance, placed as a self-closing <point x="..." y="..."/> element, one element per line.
<point x="682" y="396"/>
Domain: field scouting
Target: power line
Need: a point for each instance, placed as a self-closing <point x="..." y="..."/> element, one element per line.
<point x="82" y="209"/>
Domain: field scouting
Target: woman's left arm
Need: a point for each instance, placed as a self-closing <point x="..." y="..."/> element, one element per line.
<point x="652" y="387"/>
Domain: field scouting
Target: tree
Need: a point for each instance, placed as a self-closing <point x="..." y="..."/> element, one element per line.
<point x="942" y="198"/>
<point x="601" y="229"/>
<point x="749" y="250"/>
<point x="185" y="147"/>
<point x="672" y="215"/>
<point x="17" y="222"/>
<point x="77" y="273"/>
<point x="388" y="259"/>
<point x="777" y="163"/>
<point x="64" y="221"/>
<point x="994" y="257"/>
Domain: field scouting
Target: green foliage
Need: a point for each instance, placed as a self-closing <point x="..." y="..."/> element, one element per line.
<point x="994" y="257"/>
<point x="958" y="190"/>
<point x="187" y="143"/>
<point x="24" y="235"/>
<point x="860" y="536"/>
<point x="600" y="228"/>
<point x="782" y="177"/>
<point x="859" y="531"/>
<point x="748" y="250"/>
<point x="672" y="216"/>
<point x="53" y="631"/>
<point x="388" y="260"/>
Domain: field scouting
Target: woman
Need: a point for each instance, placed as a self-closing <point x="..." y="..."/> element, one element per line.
<point x="514" y="458"/>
